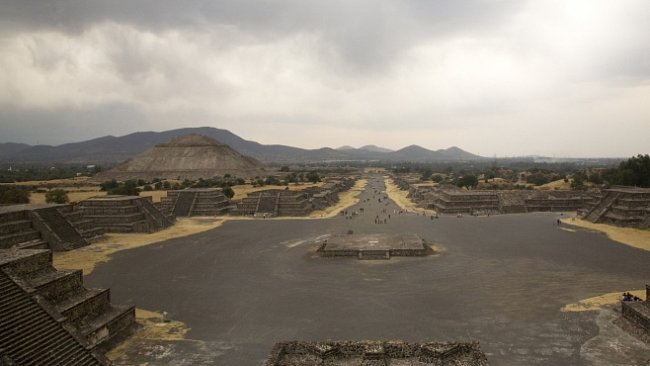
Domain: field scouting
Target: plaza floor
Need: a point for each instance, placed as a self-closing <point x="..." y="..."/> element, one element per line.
<point x="500" y="280"/>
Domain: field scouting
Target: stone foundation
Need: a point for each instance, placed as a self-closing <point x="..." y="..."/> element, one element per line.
<point x="376" y="246"/>
<point x="638" y="312"/>
<point x="376" y="353"/>
<point x="452" y="200"/>
<point x="279" y="202"/>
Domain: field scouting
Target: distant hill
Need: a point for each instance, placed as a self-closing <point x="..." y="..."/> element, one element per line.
<point x="9" y="148"/>
<point x="345" y="147"/>
<point x="375" y="148"/>
<point x="110" y="150"/>
<point x="418" y="153"/>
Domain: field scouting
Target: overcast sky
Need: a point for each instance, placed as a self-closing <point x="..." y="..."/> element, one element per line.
<point x="547" y="77"/>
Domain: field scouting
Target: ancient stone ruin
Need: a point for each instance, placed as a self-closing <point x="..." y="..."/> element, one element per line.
<point x="185" y="157"/>
<point x="374" y="246"/>
<point x="57" y="227"/>
<point x="284" y="202"/>
<point x="638" y="313"/>
<point x="194" y="202"/>
<point x="453" y="200"/>
<point x="274" y="202"/>
<point x="124" y="214"/>
<point x="376" y="353"/>
<point x="621" y="206"/>
<point x="47" y="317"/>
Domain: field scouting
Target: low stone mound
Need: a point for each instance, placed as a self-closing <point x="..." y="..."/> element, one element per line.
<point x="376" y="353"/>
<point x="374" y="246"/>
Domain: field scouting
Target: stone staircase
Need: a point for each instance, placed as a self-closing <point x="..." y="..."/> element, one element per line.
<point x="17" y="230"/>
<point x="87" y="313"/>
<point x="30" y="336"/>
<point x="601" y="208"/>
<point x="64" y="235"/>
<point x="184" y="203"/>
<point x="267" y="205"/>
<point x="86" y="227"/>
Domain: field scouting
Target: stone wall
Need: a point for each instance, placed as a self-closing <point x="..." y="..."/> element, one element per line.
<point x="638" y="312"/>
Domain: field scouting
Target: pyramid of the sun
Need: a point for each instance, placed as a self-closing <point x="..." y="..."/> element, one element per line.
<point x="186" y="157"/>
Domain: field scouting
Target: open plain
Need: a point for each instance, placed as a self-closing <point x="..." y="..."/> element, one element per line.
<point x="501" y="280"/>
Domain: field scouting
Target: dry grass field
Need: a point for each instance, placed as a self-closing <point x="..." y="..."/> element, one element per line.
<point x="399" y="196"/>
<point x="636" y="238"/>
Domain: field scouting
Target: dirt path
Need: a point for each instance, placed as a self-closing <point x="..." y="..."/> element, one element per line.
<point x="399" y="196"/>
<point x="346" y="199"/>
<point x="636" y="238"/>
<point x="599" y="302"/>
<point x="86" y="258"/>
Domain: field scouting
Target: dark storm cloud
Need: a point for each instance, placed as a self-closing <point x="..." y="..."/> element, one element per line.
<point x="54" y="126"/>
<point x="312" y="73"/>
<point x="359" y="32"/>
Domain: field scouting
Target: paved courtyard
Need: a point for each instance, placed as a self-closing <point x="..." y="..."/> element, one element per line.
<point x="500" y="280"/>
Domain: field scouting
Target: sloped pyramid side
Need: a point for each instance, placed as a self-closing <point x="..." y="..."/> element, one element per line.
<point x="186" y="157"/>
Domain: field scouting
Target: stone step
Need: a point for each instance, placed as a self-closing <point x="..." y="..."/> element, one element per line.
<point x="115" y="219"/>
<point x="54" y="285"/>
<point x="7" y="241"/>
<point x="109" y="210"/>
<point x="113" y="324"/>
<point x="34" y="244"/>
<point x="24" y="261"/>
<point x="14" y="216"/>
<point x="84" y="304"/>
<point x="93" y="233"/>
<point x="12" y="227"/>
<point x="31" y="337"/>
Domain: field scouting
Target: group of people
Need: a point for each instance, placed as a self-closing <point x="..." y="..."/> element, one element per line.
<point x="629" y="297"/>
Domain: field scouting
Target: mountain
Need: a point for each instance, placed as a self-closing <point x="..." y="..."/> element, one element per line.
<point x="9" y="148"/>
<point x="109" y="150"/>
<point x="418" y="153"/>
<point x="375" y="148"/>
<point x="345" y="148"/>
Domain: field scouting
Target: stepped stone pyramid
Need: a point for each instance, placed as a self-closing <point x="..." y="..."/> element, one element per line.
<point x="185" y="157"/>
<point x="124" y="214"/>
<point x="194" y="202"/>
<point x="622" y="206"/>
<point x="48" y="317"/>
<point x="56" y="227"/>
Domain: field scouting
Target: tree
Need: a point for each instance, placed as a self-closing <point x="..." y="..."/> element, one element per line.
<point x="56" y="196"/>
<point x="635" y="171"/>
<point x="228" y="192"/>
<point x="108" y="185"/>
<point x="10" y="194"/>
<point x="284" y="168"/>
<point x="313" y="177"/>
<point x="426" y="174"/>
<point x="578" y="182"/>
<point x="467" y="181"/>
